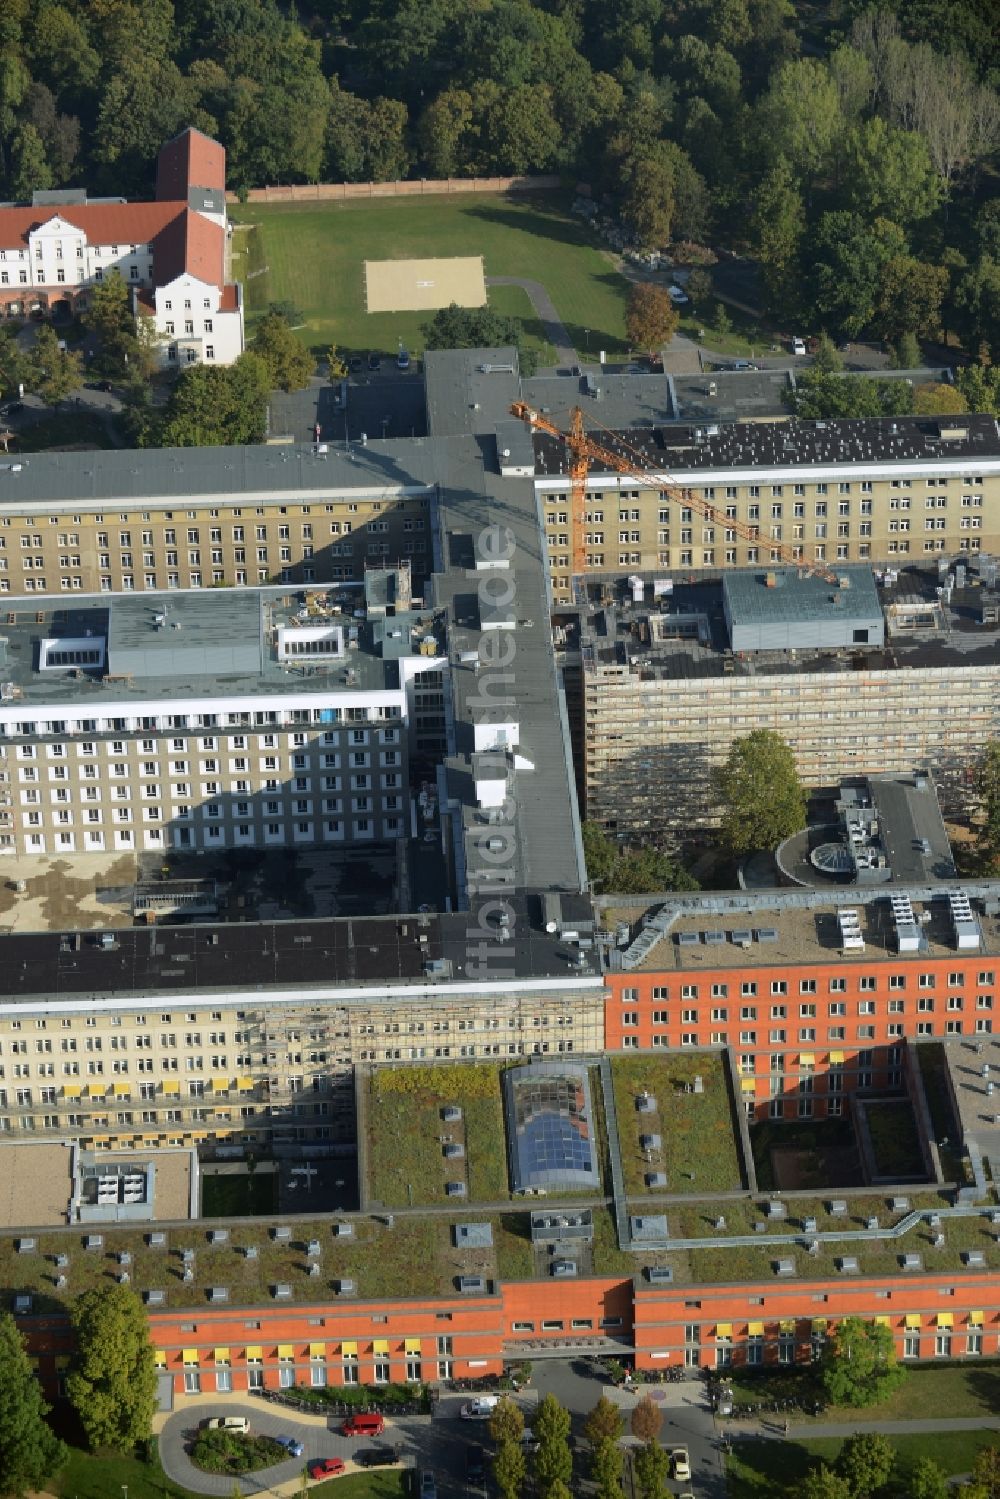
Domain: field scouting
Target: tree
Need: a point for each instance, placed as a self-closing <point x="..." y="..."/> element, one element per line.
<point x="290" y="365"/>
<point x="986" y="1472"/>
<point x="112" y="1383"/>
<point x="699" y="285"/>
<point x="888" y="173"/>
<point x="910" y="297"/>
<point x="799" y="119"/>
<point x="30" y="1452"/>
<point x="819" y="397"/>
<point x="606" y="1463"/>
<point x="988" y="786"/>
<point x="980" y="385"/>
<point x="646" y="1420"/>
<point x="826" y="360"/>
<point x="859" y="1365"/>
<point x="935" y="399"/>
<point x="651" y="1469"/>
<point x="509" y="1468"/>
<point x="866" y="1460"/>
<point x="651" y="318"/>
<point x="977" y="301"/>
<point x="848" y="258"/>
<point x="110" y="318"/>
<point x="906" y="352"/>
<point x="762" y="797"/>
<point x="336" y="364"/>
<point x="506" y="1422"/>
<point x="927" y="1480"/>
<point x="215" y="405"/>
<point x="554" y="1458"/>
<point x="645" y="173"/>
<point x="604" y="1423"/>
<point x="55" y="372"/>
<point x="457" y="327"/>
<point x="824" y="1483"/>
<point x="446" y="133"/>
<point x="30" y="171"/>
<point x="777" y="225"/>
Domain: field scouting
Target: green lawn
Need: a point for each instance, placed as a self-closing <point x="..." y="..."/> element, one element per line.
<point x="895" y="1142"/>
<point x="699" y="1152"/>
<point x="100" y="1475"/>
<point x="239" y="1196"/>
<point x="313" y="255"/>
<point x="767" y="1468"/>
<point x="966" y="1388"/>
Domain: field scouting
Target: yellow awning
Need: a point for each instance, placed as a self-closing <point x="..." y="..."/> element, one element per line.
<point x="220" y="1085"/>
<point x="255" y="1353"/>
<point x="171" y="1085"/>
<point x="411" y="1345"/>
<point x="317" y="1350"/>
<point x="913" y="1319"/>
<point x="946" y="1319"/>
<point x="883" y="1321"/>
<point x="819" y="1324"/>
<point x="190" y="1355"/>
<point x="244" y="1084"/>
<point x="286" y="1350"/>
<point x="380" y="1345"/>
<point x="755" y="1329"/>
<point x="71" y="1090"/>
<point x="121" y="1090"/>
<point x="787" y="1324"/>
<point x="160" y="1359"/>
<point x="222" y="1356"/>
<point x="349" y="1348"/>
<point x="976" y="1319"/>
<point x="724" y="1330"/>
<point x="748" y="1085"/>
<point x="807" y="1059"/>
<point x="836" y="1059"/>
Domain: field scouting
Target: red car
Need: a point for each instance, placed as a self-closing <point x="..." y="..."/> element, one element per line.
<point x="327" y="1467"/>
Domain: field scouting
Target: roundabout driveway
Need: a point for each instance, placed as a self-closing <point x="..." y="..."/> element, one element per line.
<point x="320" y="1437"/>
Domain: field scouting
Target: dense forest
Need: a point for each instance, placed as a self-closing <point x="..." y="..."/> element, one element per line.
<point x="852" y="150"/>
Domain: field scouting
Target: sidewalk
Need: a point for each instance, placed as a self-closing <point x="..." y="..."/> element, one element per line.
<point x="775" y="1427"/>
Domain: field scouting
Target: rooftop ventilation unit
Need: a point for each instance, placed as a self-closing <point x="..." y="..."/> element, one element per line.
<point x="659" y="1275"/>
<point x="964" y="924"/>
<point x="907" y="930"/>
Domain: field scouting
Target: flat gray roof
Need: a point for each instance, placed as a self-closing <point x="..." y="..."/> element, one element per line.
<point x="191" y="644"/>
<point x="731" y="395"/>
<point x="797" y="597"/>
<point x="469" y="390"/>
<point x="619" y="401"/>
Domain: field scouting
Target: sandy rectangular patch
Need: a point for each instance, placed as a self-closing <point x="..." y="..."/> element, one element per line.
<point x="424" y="285"/>
<point x="35" y="1185"/>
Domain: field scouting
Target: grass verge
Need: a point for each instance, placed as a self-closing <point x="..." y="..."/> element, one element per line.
<point x="766" y="1468"/>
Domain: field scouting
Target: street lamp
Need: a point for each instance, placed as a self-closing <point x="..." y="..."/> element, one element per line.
<point x="586" y="334"/>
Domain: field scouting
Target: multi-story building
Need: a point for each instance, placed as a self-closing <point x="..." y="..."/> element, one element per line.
<point x="171" y="253"/>
<point x="210" y="721"/>
<point x="884" y="492"/>
<point x="859" y="677"/>
<point x="157" y="520"/>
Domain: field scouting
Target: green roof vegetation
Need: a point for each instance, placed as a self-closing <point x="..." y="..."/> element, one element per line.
<point x="698" y="1151"/>
<point x="404" y="1129"/>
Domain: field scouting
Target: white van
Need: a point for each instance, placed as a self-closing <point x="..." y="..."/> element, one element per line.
<point x="798" y="345"/>
<point x="480" y="1409"/>
<point x="227" y="1423"/>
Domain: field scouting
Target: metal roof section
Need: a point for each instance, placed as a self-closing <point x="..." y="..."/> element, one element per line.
<point x="469" y="390"/>
<point x="787" y="608"/>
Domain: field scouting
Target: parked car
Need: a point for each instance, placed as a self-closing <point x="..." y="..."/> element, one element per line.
<point x="12" y="408"/>
<point x="226" y="1423"/>
<point x="475" y="1465"/>
<point x="479" y="1409"/>
<point x="374" y="362"/>
<point x="428" y="1485"/>
<point x="678" y="295"/>
<point x="326" y="1467"/>
<point x="357" y="364"/>
<point x="402" y="360"/>
<point x="364" y="1424"/>
<point x="292" y="1445"/>
<point x="376" y="1457"/>
<point x="798" y="345"/>
<point x="680" y="1464"/>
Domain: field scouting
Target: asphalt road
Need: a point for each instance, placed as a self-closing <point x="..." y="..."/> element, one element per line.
<point x="441" y="1442"/>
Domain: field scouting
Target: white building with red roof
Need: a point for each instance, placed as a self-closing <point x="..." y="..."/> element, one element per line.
<point x="171" y="252"/>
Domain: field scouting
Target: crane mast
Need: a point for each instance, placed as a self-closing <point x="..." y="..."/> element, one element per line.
<point x="584" y="451"/>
